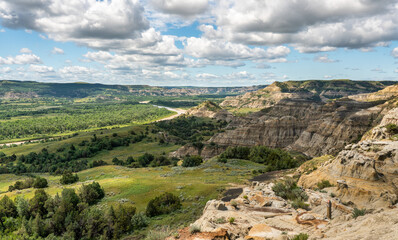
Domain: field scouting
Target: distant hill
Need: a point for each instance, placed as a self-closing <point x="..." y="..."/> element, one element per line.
<point x="29" y="89"/>
<point x="317" y="90"/>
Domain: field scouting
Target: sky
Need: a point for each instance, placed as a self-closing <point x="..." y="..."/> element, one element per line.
<point x="198" y="42"/>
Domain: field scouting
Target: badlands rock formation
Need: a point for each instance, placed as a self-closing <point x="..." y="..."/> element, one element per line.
<point x="312" y="89"/>
<point x="258" y="214"/>
<point x="369" y="169"/>
<point x="312" y="127"/>
<point x="210" y="110"/>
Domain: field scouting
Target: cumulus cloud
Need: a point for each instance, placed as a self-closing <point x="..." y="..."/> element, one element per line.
<point x="206" y="75"/>
<point x="41" y="69"/>
<point x="181" y="7"/>
<point x="57" y="51"/>
<point x="5" y="70"/>
<point x="227" y="51"/>
<point x="75" y="70"/>
<point x="73" y="20"/>
<point x="394" y="52"/>
<point x="305" y="23"/>
<point x="25" y="50"/>
<point x="21" y="59"/>
<point x="324" y="59"/>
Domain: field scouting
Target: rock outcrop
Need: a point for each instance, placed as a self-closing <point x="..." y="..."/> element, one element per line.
<point x="209" y="109"/>
<point x="312" y="89"/>
<point x="366" y="173"/>
<point x="384" y="94"/>
<point x="312" y="127"/>
<point x="259" y="214"/>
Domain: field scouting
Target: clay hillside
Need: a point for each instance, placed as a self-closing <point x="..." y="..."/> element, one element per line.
<point x="348" y="190"/>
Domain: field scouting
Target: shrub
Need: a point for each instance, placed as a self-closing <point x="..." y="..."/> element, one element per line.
<point x="274" y="159"/>
<point x="162" y="233"/>
<point x="139" y="221"/>
<point x="163" y="204"/>
<point x="68" y="178"/>
<point x="231" y="220"/>
<point x="40" y="183"/>
<point x="194" y="229"/>
<point x="289" y="190"/>
<point x="324" y="184"/>
<point x="222" y="160"/>
<point x="358" y="212"/>
<point x="220" y="220"/>
<point x="234" y="204"/>
<point x="301" y="236"/>
<point x="300" y="204"/>
<point x="145" y="159"/>
<point x="192" y="161"/>
<point x="91" y="193"/>
<point x="392" y="128"/>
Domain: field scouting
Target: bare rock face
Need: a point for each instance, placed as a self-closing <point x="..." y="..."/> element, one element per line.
<point x="380" y="131"/>
<point x="323" y="90"/>
<point x="312" y="127"/>
<point x="209" y="109"/>
<point x="207" y="152"/>
<point x="384" y="94"/>
<point x="259" y="214"/>
<point x="365" y="174"/>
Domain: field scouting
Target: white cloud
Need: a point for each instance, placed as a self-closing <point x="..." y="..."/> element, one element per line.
<point x="25" y="50"/>
<point x="41" y="69"/>
<point x="2" y="30"/>
<point x="99" y="56"/>
<point x="74" y="20"/>
<point x="21" y="59"/>
<point x="181" y="7"/>
<point x="75" y="70"/>
<point x="394" y="52"/>
<point x="310" y="26"/>
<point x="328" y="77"/>
<point x="227" y="51"/>
<point x="57" y="51"/>
<point x="5" y="70"/>
<point x="206" y="75"/>
<point x="324" y="59"/>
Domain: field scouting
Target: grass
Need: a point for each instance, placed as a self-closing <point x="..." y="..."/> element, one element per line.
<point x="313" y="164"/>
<point x="195" y="186"/>
<point x="134" y="150"/>
<point x="358" y="212"/>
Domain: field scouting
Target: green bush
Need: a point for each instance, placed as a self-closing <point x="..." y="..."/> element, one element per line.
<point x="289" y="190"/>
<point x="301" y="236"/>
<point x="358" y="212"/>
<point x="192" y="161"/>
<point x="392" y="128"/>
<point x="163" y="204"/>
<point x="68" y="178"/>
<point x="300" y="204"/>
<point x="91" y="193"/>
<point x="40" y="182"/>
<point x="324" y="184"/>
<point x="139" y="221"/>
<point x="274" y="159"/>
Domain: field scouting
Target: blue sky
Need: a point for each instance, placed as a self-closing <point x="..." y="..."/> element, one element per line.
<point x="202" y="42"/>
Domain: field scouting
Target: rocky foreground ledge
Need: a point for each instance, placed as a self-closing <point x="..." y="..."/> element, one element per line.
<point x="258" y="214"/>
